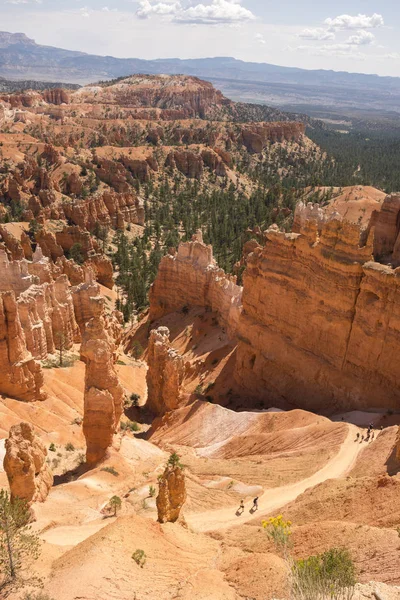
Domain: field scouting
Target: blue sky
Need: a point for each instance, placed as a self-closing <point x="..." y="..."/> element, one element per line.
<point x="356" y="35"/>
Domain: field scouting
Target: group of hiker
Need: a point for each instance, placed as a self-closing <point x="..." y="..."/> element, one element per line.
<point x="368" y="436"/>
<point x="253" y="508"/>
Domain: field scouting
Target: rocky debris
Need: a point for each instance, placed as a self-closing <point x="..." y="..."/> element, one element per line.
<point x="191" y="277"/>
<point x="165" y="373"/>
<point x="29" y="476"/>
<point x="20" y="376"/>
<point x="171" y="494"/>
<point x="103" y="397"/>
<point x="398" y="446"/>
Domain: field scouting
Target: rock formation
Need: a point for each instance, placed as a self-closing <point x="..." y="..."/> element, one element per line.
<point x="256" y="136"/>
<point x="317" y="322"/>
<point x="171" y="494"/>
<point x="25" y="464"/>
<point x="103" y="398"/>
<point x="165" y="373"/>
<point x="318" y="326"/>
<point x="20" y="376"/>
<point x="191" y="277"/>
<point x="398" y="446"/>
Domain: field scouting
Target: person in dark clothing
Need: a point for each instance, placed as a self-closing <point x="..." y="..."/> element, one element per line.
<point x="255" y="504"/>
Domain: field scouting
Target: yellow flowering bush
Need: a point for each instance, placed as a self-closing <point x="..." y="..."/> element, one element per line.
<point x="278" y="530"/>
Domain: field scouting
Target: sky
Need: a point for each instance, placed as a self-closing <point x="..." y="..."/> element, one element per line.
<point x="353" y="35"/>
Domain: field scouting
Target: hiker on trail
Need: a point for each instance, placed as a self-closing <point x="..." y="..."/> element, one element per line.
<point x="241" y="507"/>
<point x="255" y="504"/>
<point x="358" y="436"/>
<point x="362" y="438"/>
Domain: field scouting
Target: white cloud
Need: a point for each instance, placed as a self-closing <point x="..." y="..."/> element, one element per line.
<point x="219" y="11"/>
<point x="260" y="38"/>
<point x="318" y="33"/>
<point x="146" y="9"/>
<point x="23" y="1"/>
<point x="355" y="21"/>
<point x="361" y="38"/>
<point x="340" y="50"/>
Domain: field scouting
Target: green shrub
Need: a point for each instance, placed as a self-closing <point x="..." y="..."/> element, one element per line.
<point x="52" y="447"/>
<point x="134" y="398"/>
<point x="328" y="575"/>
<point x="175" y="460"/>
<point x="69" y="447"/>
<point x="139" y="556"/>
<point x="152" y="491"/>
<point x="115" y="504"/>
<point x="129" y="426"/>
<point x="110" y="470"/>
<point x="137" y="349"/>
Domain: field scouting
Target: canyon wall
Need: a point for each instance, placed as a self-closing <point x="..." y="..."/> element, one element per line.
<point x="318" y="320"/>
<point x="191" y="277"/>
<point x="320" y="324"/>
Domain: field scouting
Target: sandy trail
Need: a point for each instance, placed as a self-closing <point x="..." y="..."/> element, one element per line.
<point x="275" y="498"/>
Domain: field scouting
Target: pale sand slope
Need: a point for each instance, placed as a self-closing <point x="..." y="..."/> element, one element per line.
<point x="278" y="497"/>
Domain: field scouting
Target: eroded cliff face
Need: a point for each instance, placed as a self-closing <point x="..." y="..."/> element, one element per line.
<point x="319" y="325"/>
<point x="318" y="321"/>
<point x="20" y="375"/>
<point x="190" y="277"/>
<point x="171" y="494"/>
<point x="165" y="373"/>
<point x="103" y="396"/>
<point x="29" y="476"/>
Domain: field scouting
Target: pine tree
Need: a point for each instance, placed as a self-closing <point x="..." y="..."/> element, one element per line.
<point x="18" y="545"/>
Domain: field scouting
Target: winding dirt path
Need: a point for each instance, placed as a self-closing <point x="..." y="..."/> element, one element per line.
<point x="275" y="498"/>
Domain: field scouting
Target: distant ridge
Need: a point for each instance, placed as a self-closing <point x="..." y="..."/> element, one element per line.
<point x="21" y="58"/>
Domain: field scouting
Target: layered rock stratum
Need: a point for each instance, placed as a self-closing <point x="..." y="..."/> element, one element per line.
<point x="29" y="476"/>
